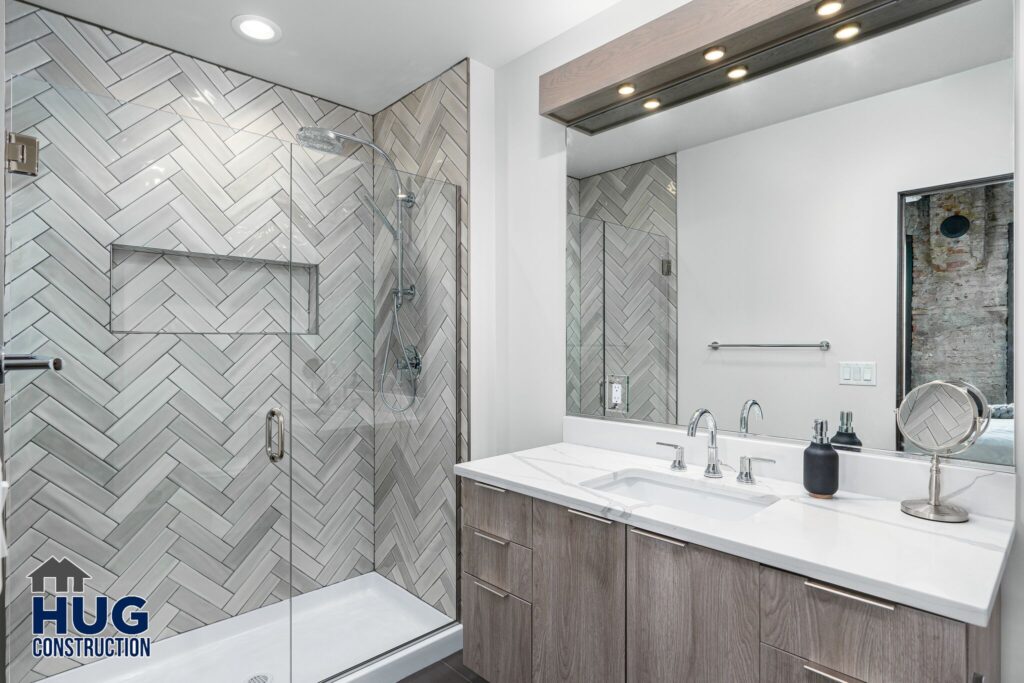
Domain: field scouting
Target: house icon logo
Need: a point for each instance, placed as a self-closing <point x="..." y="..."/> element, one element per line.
<point x="67" y="576"/>
<point x="66" y="623"/>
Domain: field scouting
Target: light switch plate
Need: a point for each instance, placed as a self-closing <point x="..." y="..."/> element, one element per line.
<point x="858" y="373"/>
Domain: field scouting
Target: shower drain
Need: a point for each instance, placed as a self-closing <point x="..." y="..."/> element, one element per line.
<point x="259" y="678"/>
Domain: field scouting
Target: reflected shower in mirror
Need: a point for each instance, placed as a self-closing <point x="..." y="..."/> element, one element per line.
<point x="803" y="268"/>
<point x="621" y="291"/>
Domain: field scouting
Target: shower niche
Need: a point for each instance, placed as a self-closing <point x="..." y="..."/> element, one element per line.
<point x="170" y="291"/>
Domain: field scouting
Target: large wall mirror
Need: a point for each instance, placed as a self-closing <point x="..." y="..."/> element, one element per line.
<point x="820" y="239"/>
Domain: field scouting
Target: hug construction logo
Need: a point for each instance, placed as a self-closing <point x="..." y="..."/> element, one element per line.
<point x="81" y="627"/>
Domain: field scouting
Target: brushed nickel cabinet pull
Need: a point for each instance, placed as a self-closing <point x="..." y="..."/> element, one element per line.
<point x="829" y="675"/>
<point x="488" y="537"/>
<point x="489" y="487"/>
<point x="586" y="516"/>
<point x="490" y="590"/>
<point x="850" y="596"/>
<point x="656" y="537"/>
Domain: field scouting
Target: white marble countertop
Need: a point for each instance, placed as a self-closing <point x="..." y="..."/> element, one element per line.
<point x="862" y="543"/>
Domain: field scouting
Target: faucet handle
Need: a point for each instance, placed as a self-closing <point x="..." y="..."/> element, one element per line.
<point x="678" y="464"/>
<point x="746" y="475"/>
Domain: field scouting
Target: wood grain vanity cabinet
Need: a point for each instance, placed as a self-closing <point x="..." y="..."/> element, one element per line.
<point x="579" y="596"/>
<point x="692" y="613"/>
<point x="554" y="594"/>
<point x="858" y="637"/>
<point x="497" y="583"/>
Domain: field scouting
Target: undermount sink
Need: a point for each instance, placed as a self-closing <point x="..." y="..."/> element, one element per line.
<point x="698" y="497"/>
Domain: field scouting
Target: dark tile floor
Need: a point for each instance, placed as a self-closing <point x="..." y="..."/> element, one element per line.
<point x="450" y="670"/>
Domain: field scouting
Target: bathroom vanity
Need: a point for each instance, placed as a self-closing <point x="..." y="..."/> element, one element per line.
<point x="759" y="215"/>
<point x="583" y="564"/>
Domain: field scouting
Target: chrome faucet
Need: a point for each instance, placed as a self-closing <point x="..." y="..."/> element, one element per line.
<point x="746" y="475"/>
<point x="714" y="469"/>
<point x="679" y="463"/>
<point x="745" y="414"/>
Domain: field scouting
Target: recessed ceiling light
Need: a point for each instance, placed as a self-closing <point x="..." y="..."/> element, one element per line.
<point x="627" y="89"/>
<point x="847" y="31"/>
<point x="713" y="54"/>
<point x="828" y="8"/>
<point x="652" y="104"/>
<point x="259" y="29"/>
<point x="738" y="73"/>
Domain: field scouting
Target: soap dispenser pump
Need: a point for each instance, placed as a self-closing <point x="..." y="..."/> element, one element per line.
<point x="821" y="464"/>
<point x="846" y="437"/>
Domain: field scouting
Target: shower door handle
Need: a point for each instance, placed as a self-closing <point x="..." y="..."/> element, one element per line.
<point x="275" y="454"/>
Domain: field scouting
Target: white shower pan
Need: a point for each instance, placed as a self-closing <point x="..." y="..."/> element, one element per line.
<point x="333" y="629"/>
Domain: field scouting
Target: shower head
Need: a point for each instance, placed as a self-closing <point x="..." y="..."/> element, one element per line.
<point x="333" y="142"/>
<point x="322" y="139"/>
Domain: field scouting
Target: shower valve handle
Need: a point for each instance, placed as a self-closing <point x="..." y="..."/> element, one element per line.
<point x="14" y="361"/>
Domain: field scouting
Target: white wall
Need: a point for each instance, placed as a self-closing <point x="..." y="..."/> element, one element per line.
<point x="789" y="234"/>
<point x="529" y="247"/>
<point x="482" y="215"/>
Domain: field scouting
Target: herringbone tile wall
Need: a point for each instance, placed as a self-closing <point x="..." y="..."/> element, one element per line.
<point x="143" y="460"/>
<point x="427" y="133"/>
<point x="622" y="311"/>
<point x="592" y="314"/>
<point x="572" y="299"/>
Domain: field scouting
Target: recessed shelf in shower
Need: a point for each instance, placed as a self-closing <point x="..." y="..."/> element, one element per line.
<point x="181" y="292"/>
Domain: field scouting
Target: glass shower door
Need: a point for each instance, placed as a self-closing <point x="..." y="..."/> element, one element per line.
<point x="152" y="254"/>
<point x="374" y="434"/>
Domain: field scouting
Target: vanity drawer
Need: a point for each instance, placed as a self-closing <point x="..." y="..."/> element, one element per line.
<point x="781" y="667"/>
<point x="862" y="637"/>
<point x="498" y="512"/>
<point x="497" y="632"/>
<point x="499" y="562"/>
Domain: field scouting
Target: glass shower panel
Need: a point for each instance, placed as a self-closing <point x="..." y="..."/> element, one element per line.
<point x="416" y="408"/>
<point x="585" y="331"/>
<point x="152" y="254"/>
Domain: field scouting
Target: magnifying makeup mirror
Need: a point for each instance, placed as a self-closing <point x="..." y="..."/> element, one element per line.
<point x="943" y="418"/>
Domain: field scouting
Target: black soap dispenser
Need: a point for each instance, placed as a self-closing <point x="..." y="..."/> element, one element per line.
<point x="846" y="437"/>
<point x="821" y="464"/>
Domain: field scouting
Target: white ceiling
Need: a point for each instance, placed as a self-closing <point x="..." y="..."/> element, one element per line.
<point x="971" y="36"/>
<point x="364" y="54"/>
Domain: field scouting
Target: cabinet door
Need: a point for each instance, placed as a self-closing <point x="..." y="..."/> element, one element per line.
<point x="579" y="596"/>
<point x="496" y="632"/>
<point x="692" y="613"/>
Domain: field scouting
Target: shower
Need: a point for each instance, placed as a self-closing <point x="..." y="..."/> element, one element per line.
<point x="409" y="365"/>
